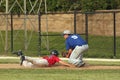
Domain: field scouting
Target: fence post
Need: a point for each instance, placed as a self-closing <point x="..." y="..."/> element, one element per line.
<point x="86" y="25"/>
<point x="114" y="30"/>
<point x="11" y="32"/>
<point x="75" y="22"/>
<point x="39" y="33"/>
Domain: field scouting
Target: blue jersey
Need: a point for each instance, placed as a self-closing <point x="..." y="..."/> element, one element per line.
<point x="74" y="40"/>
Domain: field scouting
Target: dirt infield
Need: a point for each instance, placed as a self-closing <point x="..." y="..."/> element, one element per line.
<point x="87" y="66"/>
<point x="17" y="66"/>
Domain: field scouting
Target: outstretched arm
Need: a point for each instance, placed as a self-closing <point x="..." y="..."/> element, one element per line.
<point x="66" y="64"/>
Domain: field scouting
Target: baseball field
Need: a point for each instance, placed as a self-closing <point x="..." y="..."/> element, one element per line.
<point x="95" y="69"/>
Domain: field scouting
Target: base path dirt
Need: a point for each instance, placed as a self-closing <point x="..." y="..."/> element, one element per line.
<point x="17" y="66"/>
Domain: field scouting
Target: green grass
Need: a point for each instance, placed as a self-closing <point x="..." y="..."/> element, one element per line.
<point x="99" y="46"/>
<point x="58" y="74"/>
<point x="103" y="63"/>
<point x="5" y="61"/>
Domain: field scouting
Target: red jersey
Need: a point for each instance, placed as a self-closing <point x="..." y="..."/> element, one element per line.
<point x="52" y="59"/>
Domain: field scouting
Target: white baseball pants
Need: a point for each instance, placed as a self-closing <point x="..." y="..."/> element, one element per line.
<point x="34" y="62"/>
<point x="77" y="55"/>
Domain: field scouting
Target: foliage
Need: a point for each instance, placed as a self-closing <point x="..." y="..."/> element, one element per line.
<point x="91" y="5"/>
<point x="65" y="5"/>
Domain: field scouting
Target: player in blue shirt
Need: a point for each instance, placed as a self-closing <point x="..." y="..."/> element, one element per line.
<point x="75" y="46"/>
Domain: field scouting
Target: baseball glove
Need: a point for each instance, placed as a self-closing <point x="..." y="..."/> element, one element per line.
<point x="64" y="54"/>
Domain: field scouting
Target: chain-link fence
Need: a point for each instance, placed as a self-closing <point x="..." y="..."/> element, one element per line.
<point x="103" y="34"/>
<point x="100" y="29"/>
<point x="38" y="34"/>
<point x="19" y="32"/>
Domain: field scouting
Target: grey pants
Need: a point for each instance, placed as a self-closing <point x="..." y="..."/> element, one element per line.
<point x="76" y="57"/>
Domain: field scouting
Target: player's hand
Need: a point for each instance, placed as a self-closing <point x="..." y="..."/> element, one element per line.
<point x="64" y="54"/>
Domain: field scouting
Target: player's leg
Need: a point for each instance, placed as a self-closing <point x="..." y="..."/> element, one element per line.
<point x="77" y="55"/>
<point x="81" y="62"/>
<point x="74" y="57"/>
<point x="78" y="51"/>
<point x="27" y="64"/>
<point x="37" y="61"/>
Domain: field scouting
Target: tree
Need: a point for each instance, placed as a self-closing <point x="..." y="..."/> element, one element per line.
<point x="67" y="5"/>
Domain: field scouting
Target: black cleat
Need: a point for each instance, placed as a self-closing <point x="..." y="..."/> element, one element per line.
<point x="22" y="58"/>
<point x="81" y="64"/>
<point x="18" y="53"/>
